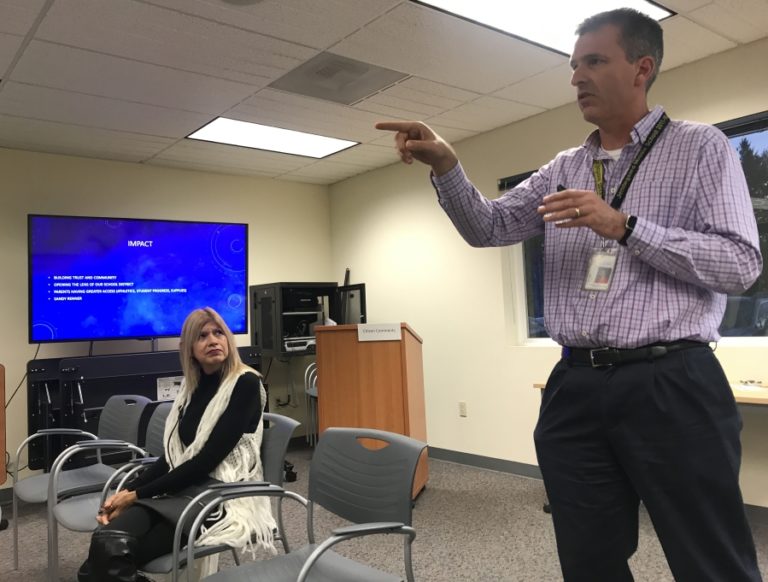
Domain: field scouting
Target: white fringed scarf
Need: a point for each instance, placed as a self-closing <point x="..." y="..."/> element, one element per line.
<point x="248" y="522"/>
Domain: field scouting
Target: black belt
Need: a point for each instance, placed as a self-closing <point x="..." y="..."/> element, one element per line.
<point x="603" y="357"/>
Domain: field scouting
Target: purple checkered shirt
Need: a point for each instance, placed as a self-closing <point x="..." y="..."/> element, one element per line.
<point x="695" y="240"/>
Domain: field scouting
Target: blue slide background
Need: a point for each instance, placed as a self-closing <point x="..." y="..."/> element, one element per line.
<point x="209" y="260"/>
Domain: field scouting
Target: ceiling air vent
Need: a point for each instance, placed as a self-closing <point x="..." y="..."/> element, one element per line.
<point x="336" y="78"/>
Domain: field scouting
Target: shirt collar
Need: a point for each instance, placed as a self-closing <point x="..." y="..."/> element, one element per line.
<point x="639" y="133"/>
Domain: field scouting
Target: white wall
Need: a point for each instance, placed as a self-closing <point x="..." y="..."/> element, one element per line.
<point x="288" y="226"/>
<point x="388" y="228"/>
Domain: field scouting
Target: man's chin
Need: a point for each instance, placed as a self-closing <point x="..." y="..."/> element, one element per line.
<point x="589" y="114"/>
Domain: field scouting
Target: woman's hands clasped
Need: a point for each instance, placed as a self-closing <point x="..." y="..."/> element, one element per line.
<point x="115" y="505"/>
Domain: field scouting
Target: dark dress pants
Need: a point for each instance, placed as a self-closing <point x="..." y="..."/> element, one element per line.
<point x="665" y="432"/>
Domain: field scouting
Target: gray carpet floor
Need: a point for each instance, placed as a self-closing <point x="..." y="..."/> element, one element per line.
<point x="472" y="525"/>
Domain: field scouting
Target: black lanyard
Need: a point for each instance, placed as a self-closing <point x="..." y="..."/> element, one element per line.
<point x="597" y="165"/>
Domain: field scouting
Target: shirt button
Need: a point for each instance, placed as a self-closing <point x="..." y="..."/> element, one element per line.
<point x="593" y="295"/>
<point x="584" y="333"/>
<point x="613" y="190"/>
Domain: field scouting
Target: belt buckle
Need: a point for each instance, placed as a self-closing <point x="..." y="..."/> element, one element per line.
<point x="592" y="358"/>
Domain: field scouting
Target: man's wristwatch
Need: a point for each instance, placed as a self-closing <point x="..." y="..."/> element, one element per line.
<point x="629" y="226"/>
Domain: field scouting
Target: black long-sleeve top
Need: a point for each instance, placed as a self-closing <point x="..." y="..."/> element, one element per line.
<point x="242" y="415"/>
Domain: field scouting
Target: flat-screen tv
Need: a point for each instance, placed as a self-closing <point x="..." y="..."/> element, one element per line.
<point x="126" y="278"/>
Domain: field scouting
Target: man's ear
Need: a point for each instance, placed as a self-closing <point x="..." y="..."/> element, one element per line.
<point x="646" y="67"/>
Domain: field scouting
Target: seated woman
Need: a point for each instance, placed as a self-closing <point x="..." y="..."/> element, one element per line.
<point x="213" y="432"/>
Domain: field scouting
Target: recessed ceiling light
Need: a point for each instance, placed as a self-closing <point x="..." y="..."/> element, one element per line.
<point x="274" y="139"/>
<point x="549" y="23"/>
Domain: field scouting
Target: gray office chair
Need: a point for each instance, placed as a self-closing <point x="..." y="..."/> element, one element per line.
<point x="119" y="420"/>
<point x="70" y="508"/>
<point x="371" y="488"/>
<point x="274" y="445"/>
<point x="76" y="511"/>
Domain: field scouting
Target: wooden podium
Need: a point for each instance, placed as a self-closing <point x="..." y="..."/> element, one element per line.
<point x="372" y="384"/>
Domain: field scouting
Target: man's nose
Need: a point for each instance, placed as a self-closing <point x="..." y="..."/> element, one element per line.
<point x="576" y="77"/>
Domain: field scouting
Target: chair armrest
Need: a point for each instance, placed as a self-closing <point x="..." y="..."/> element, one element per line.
<point x="80" y="490"/>
<point x="354" y="531"/>
<point x="210" y="499"/>
<point x="63" y="432"/>
<point x="97" y="443"/>
<point x="47" y="432"/>
<point x="236" y="485"/>
<point x="69" y="452"/>
<point x="124" y="473"/>
<point x="369" y="528"/>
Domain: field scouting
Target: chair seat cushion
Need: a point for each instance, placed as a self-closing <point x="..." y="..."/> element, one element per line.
<point x="331" y="567"/>
<point x="35" y="489"/>
<point x="78" y="513"/>
<point x="164" y="564"/>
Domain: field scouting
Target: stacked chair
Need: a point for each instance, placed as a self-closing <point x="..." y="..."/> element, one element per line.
<point x="76" y="509"/>
<point x="118" y="422"/>
<point x="310" y="397"/>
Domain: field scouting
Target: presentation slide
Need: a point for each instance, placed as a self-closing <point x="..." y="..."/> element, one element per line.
<point x="99" y="278"/>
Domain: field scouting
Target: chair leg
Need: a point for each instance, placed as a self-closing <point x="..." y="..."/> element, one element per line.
<point x="235" y="557"/>
<point x="15" y="518"/>
<point x="53" y="549"/>
<point x="280" y="527"/>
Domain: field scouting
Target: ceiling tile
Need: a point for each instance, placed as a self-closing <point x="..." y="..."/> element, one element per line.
<point x="307" y="22"/>
<point x="685" y="42"/>
<point x="445" y="49"/>
<point x="232" y="157"/>
<point x="681" y="6"/>
<point x="90" y="111"/>
<point x="409" y="94"/>
<point x="747" y="23"/>
<point x="19" y="15"/>
<point x="433" y="90"/>
<point x="47" y="136"/>
<point x="408" y="107"/>
<point x="165" y="37"/>
<point x="296" y="112"/>
<point x="207" y="166"/>
<point x="484" y="113"/>
<point x="549" y="89"/>
<point x="330" y="171"/>
<point x="9" y="46"/>
<point x="367" y="156"/>
<point x="83" y="71"/>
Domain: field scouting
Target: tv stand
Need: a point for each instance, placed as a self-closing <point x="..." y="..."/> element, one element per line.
<point x="70" y="392"/>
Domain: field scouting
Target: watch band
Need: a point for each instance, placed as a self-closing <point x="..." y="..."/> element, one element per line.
<point x="629" y="227"/>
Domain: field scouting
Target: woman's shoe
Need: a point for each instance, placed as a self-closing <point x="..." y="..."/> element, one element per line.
<point x="112" y="557"/>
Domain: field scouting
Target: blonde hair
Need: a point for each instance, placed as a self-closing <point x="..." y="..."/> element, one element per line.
<point x="190" y="332"/>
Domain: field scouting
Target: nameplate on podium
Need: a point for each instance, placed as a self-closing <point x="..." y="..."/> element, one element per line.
<point x="378" y="332"/>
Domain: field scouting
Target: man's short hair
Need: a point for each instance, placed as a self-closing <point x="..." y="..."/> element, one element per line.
<point x="639" y="35"/>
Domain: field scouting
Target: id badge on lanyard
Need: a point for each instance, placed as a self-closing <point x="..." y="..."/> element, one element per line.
<point x="602" y="260"/>
<point x="600" y="269"/>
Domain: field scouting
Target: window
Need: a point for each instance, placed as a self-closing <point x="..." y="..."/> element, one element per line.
<point x="745" y="314"/>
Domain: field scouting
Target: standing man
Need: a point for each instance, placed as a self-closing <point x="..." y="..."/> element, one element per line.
<point x="647" y="226"/>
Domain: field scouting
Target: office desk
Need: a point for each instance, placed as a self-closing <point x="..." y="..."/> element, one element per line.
<point x="745" y="394"/>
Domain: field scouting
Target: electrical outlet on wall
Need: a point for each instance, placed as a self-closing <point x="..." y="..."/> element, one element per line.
<point x="463" y="409"/>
